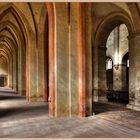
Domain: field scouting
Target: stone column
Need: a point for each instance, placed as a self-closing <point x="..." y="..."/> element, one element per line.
<point x="134" y="72"/>
<point x="95" y="74"/>
<point x="88" y="54"/>
<point x="72" y="47"/>
<point x="124" y="77"/>
<point x="31" y="72"/>
<point x="102" y="73"/>
<point x="61" y="61"/>
<point x="74" y="52"/>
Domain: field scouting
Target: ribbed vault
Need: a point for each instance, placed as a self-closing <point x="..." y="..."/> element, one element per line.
<point x="12" y="48"/>
<point x="19" y="35"/>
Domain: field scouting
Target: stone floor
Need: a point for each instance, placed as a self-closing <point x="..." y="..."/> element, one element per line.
<point x="21" y="119"/>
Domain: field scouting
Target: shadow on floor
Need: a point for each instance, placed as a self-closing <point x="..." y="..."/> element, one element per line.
<point x="99" y="107"/>
<point x="12" y="104"/>
<point x="29" y="110"/>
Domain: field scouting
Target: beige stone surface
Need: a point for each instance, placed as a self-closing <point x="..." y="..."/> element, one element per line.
<point x="25" y="44"/>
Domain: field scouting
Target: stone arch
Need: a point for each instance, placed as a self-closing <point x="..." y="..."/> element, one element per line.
<point x="101" y="34"/>
<point x="11" y="53"/>
<point x="9" y="27"/>
<point x="109" y="23"/>
<point x="3" y="68"/>
<point x="24" y="41"/>
<point x="12" y="46"/>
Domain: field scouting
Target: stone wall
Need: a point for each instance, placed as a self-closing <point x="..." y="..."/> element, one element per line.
<point x="117" y="47"/>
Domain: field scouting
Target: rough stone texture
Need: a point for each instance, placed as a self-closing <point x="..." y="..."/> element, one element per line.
<point x="73" y="57"/>
<point x="62" y="61"/>
<point x="117" y="78"/>
<point x="88" y="47"/>
<point x="102" y="84"/>
<point x="25" y="43"/>
<point x="117" y="47"/>
<point x="42" y="51"/>
<point x="134" y="74"/>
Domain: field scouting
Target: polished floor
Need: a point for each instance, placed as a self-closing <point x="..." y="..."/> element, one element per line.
<point x="21" y="119"/>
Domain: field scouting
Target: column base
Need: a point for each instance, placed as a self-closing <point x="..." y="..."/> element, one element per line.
<point x="133" y="107"/>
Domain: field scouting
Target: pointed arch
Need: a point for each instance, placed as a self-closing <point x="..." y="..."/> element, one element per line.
<point x="26" y="36"/>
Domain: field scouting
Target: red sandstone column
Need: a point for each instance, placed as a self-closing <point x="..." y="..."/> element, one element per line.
<point x="27" y="72"/>
<point x="45" y="47"/>
<point x="51" y="59"/>
<point x="81" y="43"/>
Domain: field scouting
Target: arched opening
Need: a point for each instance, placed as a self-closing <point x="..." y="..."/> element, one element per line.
<point x="25" y="58"/>
<point x="111" y="41"/>
<point x="117" y="45"/>
<point x="11" y="40"/>
<point x="3" y="71"/>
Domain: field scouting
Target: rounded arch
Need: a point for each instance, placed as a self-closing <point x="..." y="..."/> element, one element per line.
<point x="3" y="69"/>
<point x="102" y="33"/>
<point x="109" y="23"/>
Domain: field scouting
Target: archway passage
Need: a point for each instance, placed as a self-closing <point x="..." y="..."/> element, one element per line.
<point x="12" y="47"/>
<point x="111" y="43"/>
<point x="24" y="57"/>
<point x="3" y="72"/>
<point x="117" y="46"/>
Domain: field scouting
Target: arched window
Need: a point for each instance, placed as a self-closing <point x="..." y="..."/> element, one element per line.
<point x="109" y="64"/>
